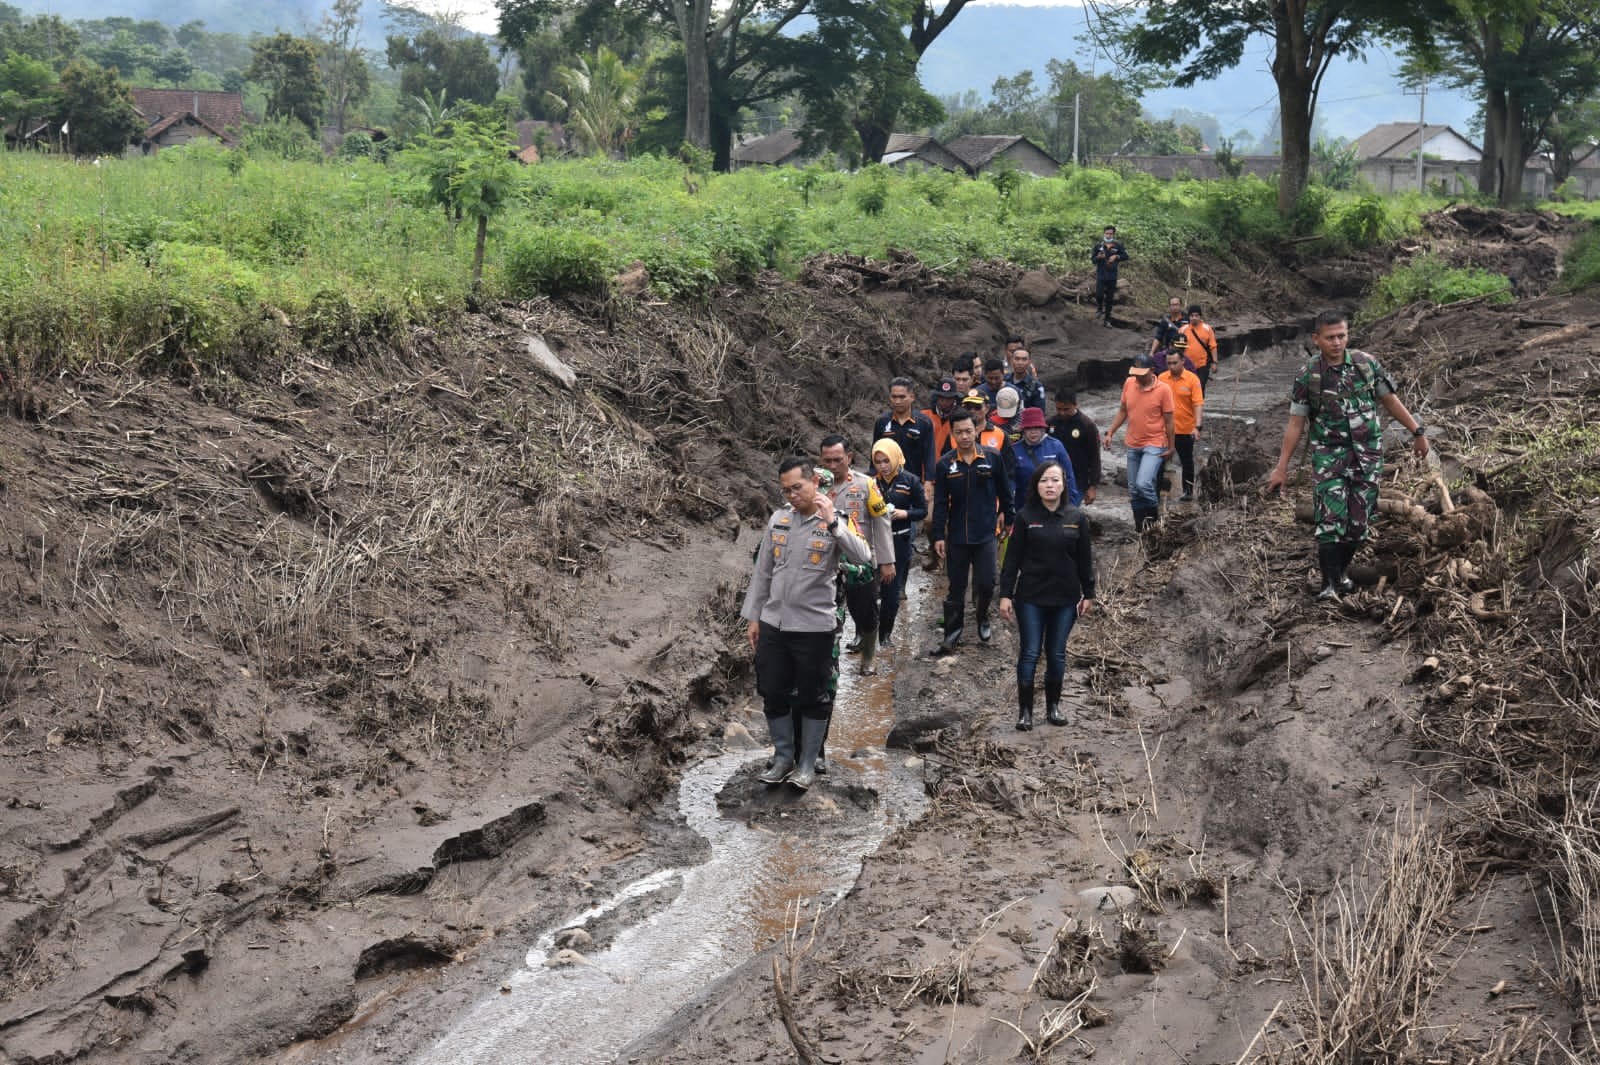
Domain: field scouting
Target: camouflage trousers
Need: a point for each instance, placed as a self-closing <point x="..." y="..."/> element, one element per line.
<point x="1346" y="495"/>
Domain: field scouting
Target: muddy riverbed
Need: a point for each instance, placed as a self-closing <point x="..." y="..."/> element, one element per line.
<point x="330" y="707"/>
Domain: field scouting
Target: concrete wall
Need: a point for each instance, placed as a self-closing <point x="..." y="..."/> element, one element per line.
<point x="1386" y="176"/>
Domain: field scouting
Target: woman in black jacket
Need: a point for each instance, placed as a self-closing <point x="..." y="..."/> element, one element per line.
<point x="902" y="493"/>
<point x="1047" y="584"/>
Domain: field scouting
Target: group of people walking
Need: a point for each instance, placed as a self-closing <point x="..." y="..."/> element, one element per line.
<point x="998" y="488"/>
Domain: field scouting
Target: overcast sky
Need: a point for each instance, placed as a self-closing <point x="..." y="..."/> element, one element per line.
<point x="481" y="16"/>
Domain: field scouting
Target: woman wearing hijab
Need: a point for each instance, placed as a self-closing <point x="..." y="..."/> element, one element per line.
<point x="1047" y="584"/>
<point x="902" y="492"/>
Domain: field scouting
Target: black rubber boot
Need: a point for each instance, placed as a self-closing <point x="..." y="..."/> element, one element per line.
<point x="869" y="653"/>
<point x="1347" y="552"/>
<point x="1052" y="702"/>
<point x="812" y="732"/>
<point x="782" y="731"/>
<point x="1024" y="707"/>
<point x="1328" y="556"/>
<point x="985" y="630"/>
<point x="954" y="621"/>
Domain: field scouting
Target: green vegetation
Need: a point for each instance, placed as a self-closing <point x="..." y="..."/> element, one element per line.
<point x="202" y="255"/>
<point x="1583" y="258"/>
<point x="1428" y="277"/>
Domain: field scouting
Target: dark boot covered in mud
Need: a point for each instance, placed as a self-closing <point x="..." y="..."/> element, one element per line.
<point x="869" y="653"/>
<point x="954" y="620"/>
<point x="1052" y="701"/>
<point x="1328" y="556"/>
<point x="985" y="630"/>
<point x="1024" y="707"/>
<point x="781" y="729"/>
<point x="1347" y="553"/>
<point x="813" y="730"/>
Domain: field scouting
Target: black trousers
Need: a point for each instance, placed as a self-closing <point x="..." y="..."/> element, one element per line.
<point x="980" y="562"/>
<point x="862" y="604"/>
<point x="1183" y="443"/>
<point x="793" y="670"/>
<point x="1105" y="295"/>
<point x="1204" y="373"/>
<point x="889" y="600"/>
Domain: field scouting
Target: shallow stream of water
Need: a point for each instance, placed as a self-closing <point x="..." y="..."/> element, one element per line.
<point x="725" y="910"/>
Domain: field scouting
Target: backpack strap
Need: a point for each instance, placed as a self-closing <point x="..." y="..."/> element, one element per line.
<point x="1364" y="364"/>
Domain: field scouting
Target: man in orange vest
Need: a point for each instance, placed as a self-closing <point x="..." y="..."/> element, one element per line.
<point x="1202" y="348"/>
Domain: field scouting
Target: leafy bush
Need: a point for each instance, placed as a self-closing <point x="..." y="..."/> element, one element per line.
<point x="1583" y="261"/>
<point x="1310" y="211"/>
<point x="280" y="138"/>
<point x="553" y="262"/>
<point x="682" y="271"/>
<point x="357" y="145"/>
<point x="872" y="190"/>
<point x="1428" y="277"/>
<point x="1362" y="223"/>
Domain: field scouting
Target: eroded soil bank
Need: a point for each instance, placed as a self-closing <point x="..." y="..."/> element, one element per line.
<point x="330" y="690"/>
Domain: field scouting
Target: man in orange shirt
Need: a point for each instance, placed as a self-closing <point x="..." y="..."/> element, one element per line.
<point x="1187" y="400"/>
<point x="1147" y="409"/>
<point x="1202" y="349"/>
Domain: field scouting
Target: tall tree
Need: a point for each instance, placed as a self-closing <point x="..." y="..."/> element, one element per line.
<point x="98" y="109"/>
<point x="344" y="71"/>
<point x="1526" y="60"/>
<point x="287" y="68"/>
<point x="598" y="101"/>
<point x="26" y="86"/>
<point x="1202" y="38"/>
<point x="1107" y="107"/>
<point x="435" y="60"/>
<point x="43" y="37"/>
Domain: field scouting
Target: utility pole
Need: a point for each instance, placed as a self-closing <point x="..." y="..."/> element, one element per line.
<point x="1077" y="105"/>
<point x="1421" y="93"/>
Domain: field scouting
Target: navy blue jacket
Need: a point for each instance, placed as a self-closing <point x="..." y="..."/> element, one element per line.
<point x="968" y="495"/>
<point x="1029" y="459"/>
<point x="1105" y="265"/>
<point x="915" y="438"/>
<point x="904" y="493"/>
<point x="1030" y="388"/>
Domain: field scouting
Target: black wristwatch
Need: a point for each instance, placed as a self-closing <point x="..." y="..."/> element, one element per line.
<point x="833" y="526"/>
<point x="1419" y="430"/>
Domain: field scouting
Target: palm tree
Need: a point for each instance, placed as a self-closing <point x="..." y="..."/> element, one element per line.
<point x="599" y="100"/>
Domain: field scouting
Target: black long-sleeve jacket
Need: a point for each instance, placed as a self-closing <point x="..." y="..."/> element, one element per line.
<point x="905" y="493"/>
<point x="1050" y="560"/>
<point x="967" y="496"/>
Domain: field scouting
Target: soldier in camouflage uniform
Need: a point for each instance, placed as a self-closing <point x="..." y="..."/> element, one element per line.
<point x="1339" y="394"/>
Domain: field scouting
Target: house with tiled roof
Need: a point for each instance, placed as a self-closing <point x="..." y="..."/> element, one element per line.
<point x="779" y="148"/>
<point x="1398" y="140"/>
<point x="911" y="149"/>
<point x="176" y="116"/>
<point x="980" y="153"/>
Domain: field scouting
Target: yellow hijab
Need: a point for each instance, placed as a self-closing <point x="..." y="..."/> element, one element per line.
<point x="897" y="458"/>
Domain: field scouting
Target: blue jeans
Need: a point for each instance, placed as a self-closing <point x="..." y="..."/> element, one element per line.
<point x="1144" y="470"/>
<point x="1046" y="628"/>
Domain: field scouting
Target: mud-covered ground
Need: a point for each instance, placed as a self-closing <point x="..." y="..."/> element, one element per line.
<point x="327" y="687"/>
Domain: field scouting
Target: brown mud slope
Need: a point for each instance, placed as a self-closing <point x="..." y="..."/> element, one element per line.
<point x="324" y="677"/>
<point x="1276" y="830"/>
<point x="330" y="671"/>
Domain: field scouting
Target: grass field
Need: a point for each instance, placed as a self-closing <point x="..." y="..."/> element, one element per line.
<point x="201" y="255"/>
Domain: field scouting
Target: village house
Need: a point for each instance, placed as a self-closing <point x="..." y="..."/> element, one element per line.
<point x="981" y="153"/>
<point x="912" y="149"/>
<point x="177" y="116"/>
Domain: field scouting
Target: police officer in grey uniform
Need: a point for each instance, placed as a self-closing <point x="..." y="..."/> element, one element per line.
<point x="789" y="609"/>
<point x="856" y="499"/>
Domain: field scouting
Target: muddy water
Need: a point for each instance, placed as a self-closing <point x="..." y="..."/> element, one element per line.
<point x="721" y="912"/>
